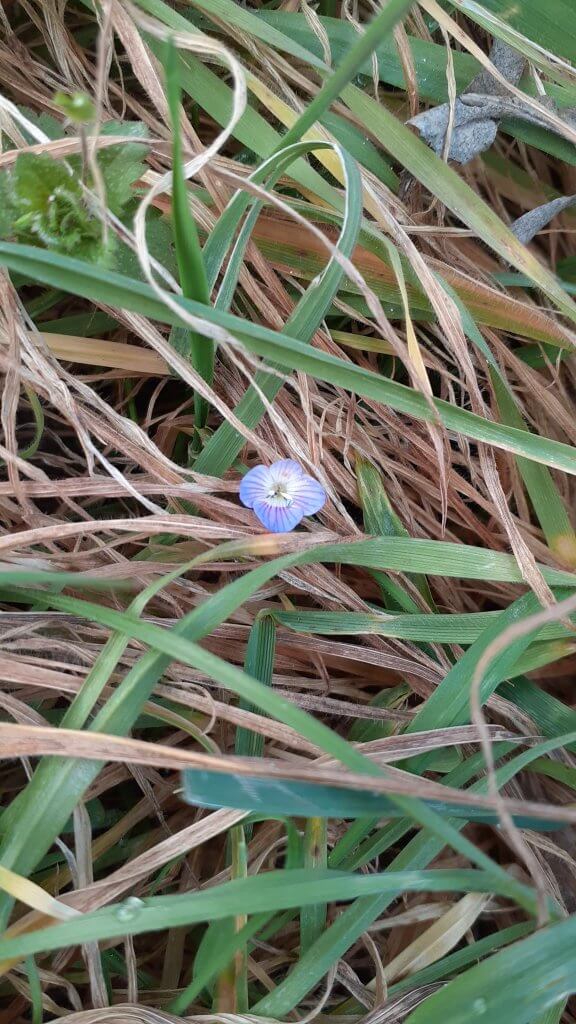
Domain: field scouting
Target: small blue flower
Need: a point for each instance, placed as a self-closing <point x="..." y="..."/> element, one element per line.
<point x="281" y="494"/>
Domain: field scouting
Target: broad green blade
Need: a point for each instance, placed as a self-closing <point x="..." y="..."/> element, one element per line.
<point x="273" y="890"/>
<point x="457" y="628"/>
<point x="512" y="987"/>
<point x="259" y="663"/>
<point x="549" y="25"/>
<point x="312" y="800"/>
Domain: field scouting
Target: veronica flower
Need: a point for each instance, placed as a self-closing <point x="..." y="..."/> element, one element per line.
<point x="281" y="494"/>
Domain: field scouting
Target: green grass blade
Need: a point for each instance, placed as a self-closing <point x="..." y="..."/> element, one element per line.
<point x="243" y="18"/>
<point x="226" y="443"/>
<point x="452" y="190"/>
<point x="118" y="715"/>
<point x="313" y="917"/>
<point x="355" y="919"/>
<point x="440" y="628"/>
<point x="550" y="715"/>
<point x="363" y="47"/>
<point x="225" y="229"/>
<point x="454" y="962"/>
<point x="274" y="890"/>
<point x="319" y="802"/>
<point x="380" y="519"/>
<point x="538" y="480"/>
<point x="511" y="987"/>
<point x="432" y="557"/>
<point x="259" y="664"/>
<point x="193" y="280"/>
<point x="43" y="808"/>
<point x="232" y="984"/>
<point x="19" y="577"/>
<point x="550" y="27"/>
<point x="213" y="956"/>
<point x="543" y="493"/>
<point x="174" y="646"/>
<point x="35" y="990"/>
<point x="115" y="290"/>
<point x="449" y="704"/>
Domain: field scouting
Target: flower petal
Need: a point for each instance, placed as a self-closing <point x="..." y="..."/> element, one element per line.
<point x="278" y="518"/>
<point x="286" y="468"/>
<point x="310" y="496"/>
<point x="255" y="485"/>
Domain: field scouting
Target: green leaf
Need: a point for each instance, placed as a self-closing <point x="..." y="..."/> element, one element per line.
<point x="121" y="166"/>
<point x="47" y="124"/>
<point x="550" y="715"/>
<point x="433" y="557"/>
<point x="429" y="57"/>
<point x="363" y="731"/>
<point x="226" y="443"/>
<point x="274" y="890"/>
<point x="454" y="962"/>
<point x="550" y="26"/>
<point x="216" y="950"/>
<point x="36" y="177"/>
<point x="36" y="994"/>
<point x="539" y="484"/>
<point x="62" y="783"/>
<point x="45" y="206"/>
<point x="8" y="206"/>
<point x="160" y="242"/>
<point x="313" y="918"/>
<point x="458" y="196"/>
<point x="354" y="920"/>
<point x="313" y="800"/>
<point x="82" y="581"/>
<point x="512" y="987"/>
<point x="456" y="628"/>
<point x="172" y="645"/>
<point x="449" y="703"/>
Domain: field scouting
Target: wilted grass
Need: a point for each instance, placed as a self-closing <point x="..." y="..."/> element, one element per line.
<point x="326" y="775"/>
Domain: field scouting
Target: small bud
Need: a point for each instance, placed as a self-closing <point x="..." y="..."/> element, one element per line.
<point x="77" y="106"/>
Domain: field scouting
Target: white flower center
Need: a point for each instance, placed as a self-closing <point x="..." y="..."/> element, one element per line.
<point x="279" y="494"/>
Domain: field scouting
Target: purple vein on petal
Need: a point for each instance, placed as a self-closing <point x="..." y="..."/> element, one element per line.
<point x="255" y="485"/>
<point x="310" y="496"/>
<point x="278" y="518"/>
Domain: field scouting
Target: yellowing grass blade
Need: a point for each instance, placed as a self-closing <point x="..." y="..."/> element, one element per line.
<point x="112" y="354"/>
<point x="440" y="938"/>
<point x="32" y="895"/>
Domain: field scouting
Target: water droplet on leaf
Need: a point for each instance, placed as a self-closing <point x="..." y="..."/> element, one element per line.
<point x="129" y="909"/>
